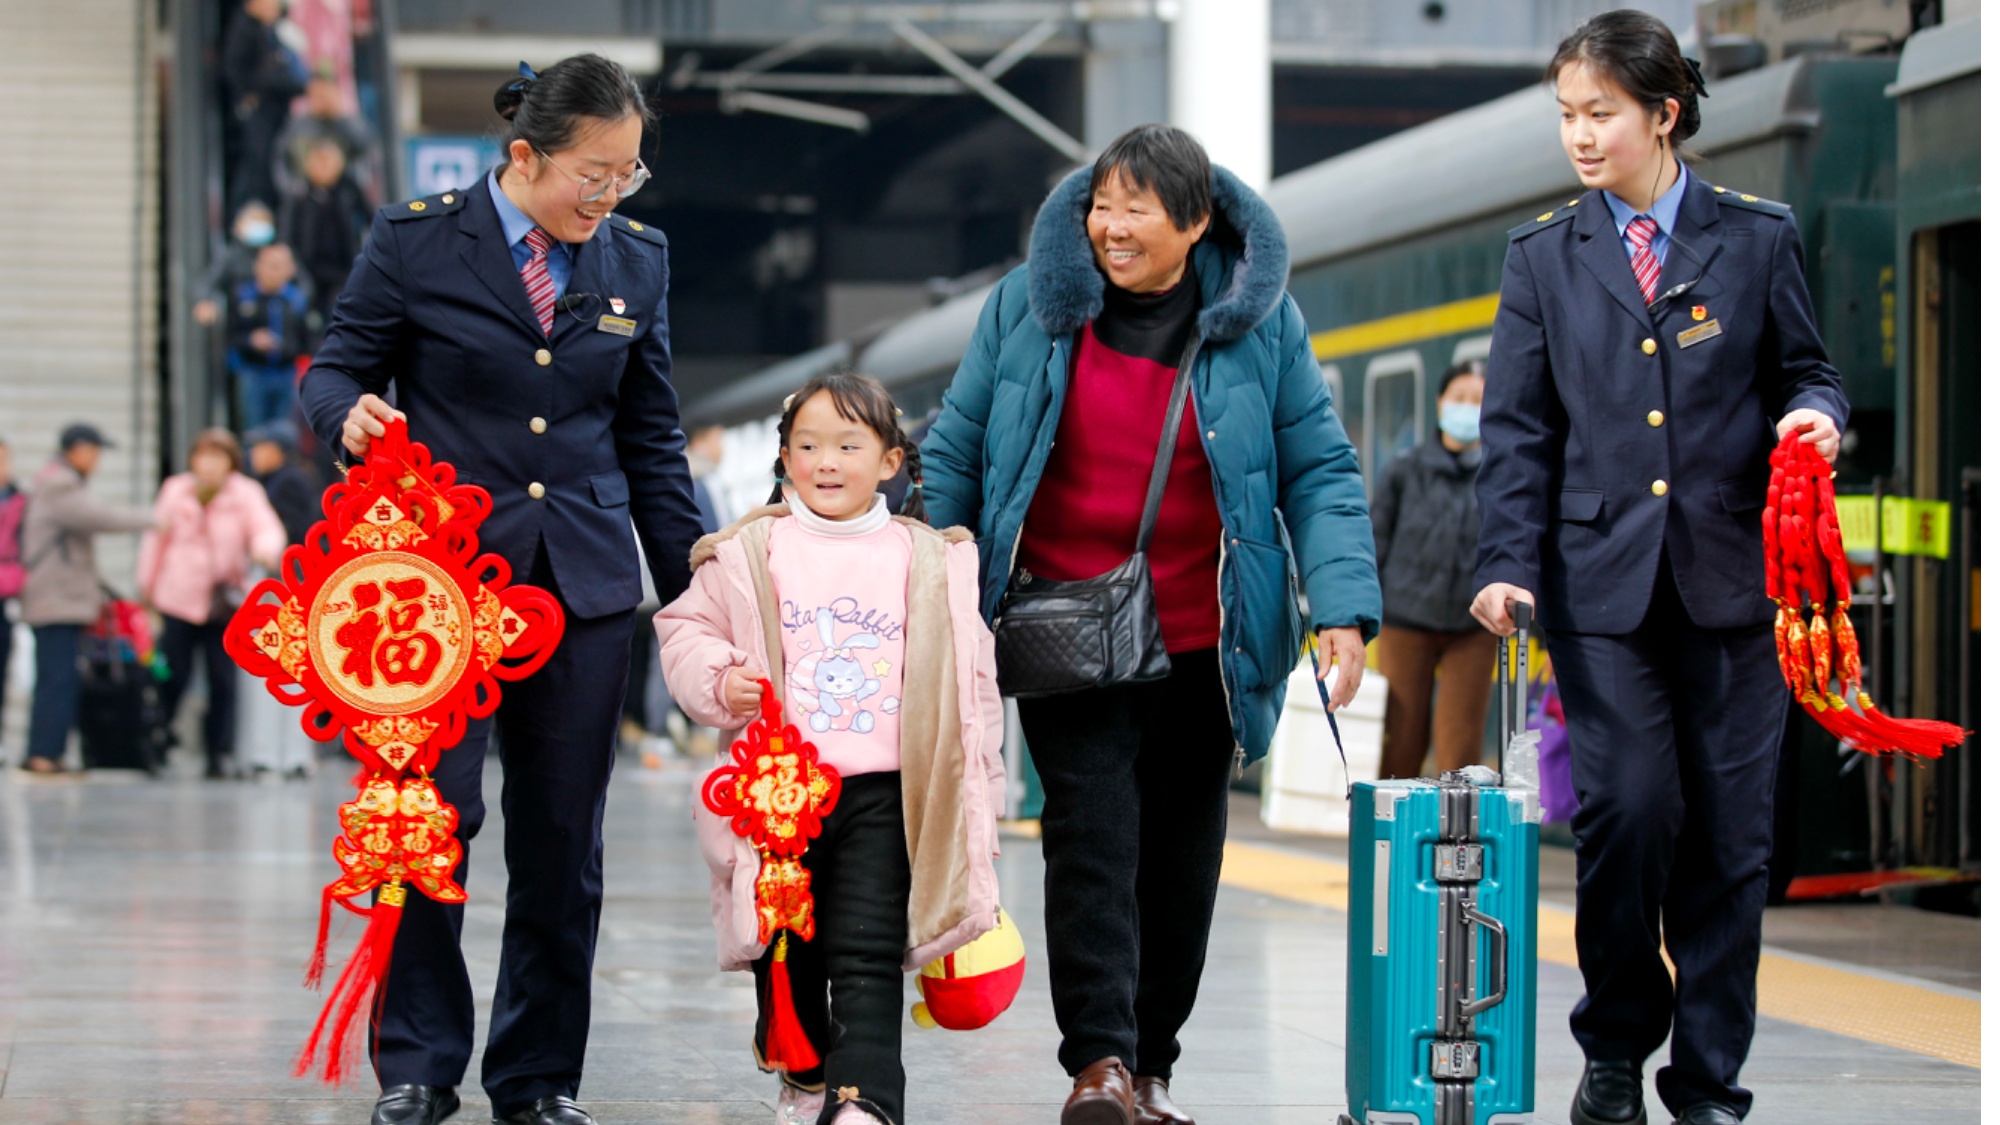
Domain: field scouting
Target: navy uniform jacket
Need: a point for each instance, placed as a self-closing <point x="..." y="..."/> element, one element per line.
<point x="576" y="434"/>
<point x="1611" y="434"/>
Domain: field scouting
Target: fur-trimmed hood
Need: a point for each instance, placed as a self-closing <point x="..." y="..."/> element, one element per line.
<point x="704" y="548"/>
<point x="1242" y="262"/>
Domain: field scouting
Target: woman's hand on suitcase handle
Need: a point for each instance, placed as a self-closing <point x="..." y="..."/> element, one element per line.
<point x="1494" y="607"/>
<point x="1343" y="646"/>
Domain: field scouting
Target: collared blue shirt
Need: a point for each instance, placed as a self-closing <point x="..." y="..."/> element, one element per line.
<point x="1665" y="210"/>
<point x="516" y="223"/>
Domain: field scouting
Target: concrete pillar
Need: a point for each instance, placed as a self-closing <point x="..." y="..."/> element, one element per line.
<point x="1219" y="82"/>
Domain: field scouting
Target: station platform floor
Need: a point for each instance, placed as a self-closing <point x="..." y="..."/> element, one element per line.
<point x="153" y="934"/>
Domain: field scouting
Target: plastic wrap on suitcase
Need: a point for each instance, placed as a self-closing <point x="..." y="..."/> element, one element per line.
<point x="1443" y="882"/>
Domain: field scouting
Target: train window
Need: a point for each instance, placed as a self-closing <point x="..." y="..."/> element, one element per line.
<point x="1331" y="373"/>
<point x="1472" y="347"/>
<point x="1395" y="414"/>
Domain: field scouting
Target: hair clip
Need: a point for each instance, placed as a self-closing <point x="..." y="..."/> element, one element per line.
<point x="1694" y="69"/>
<point x="898" y="410"/>
<point x="788" y="400"/>
<point x="528" y="72"/>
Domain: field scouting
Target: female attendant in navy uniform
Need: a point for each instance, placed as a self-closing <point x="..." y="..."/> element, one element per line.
<point x="524" y="329"/>
<point x="1654" y="338"/>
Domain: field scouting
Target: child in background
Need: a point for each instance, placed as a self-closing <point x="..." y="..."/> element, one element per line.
<point x="867" y="626"/>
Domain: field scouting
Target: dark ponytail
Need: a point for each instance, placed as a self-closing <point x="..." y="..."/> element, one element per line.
<point x="548" y="109"/>
<point x="862" y="399"/>
<point x="1638" y="51"/>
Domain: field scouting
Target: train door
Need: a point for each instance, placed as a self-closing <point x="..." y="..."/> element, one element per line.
<point x="1940" y="808"/>
<point x="1394" y="409"/>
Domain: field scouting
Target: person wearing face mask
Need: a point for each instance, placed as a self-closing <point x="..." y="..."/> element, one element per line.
<point x="1654" y="340"/>
<point x="523" y="328"/>
<point x="1426" y="532"/>
<point x="253" y="229"/>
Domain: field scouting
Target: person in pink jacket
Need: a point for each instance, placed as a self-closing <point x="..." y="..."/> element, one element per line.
<point x="867" y="626"/>
<point x="210" y="524"/>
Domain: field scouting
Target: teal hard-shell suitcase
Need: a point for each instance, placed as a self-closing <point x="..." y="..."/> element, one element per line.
<point x="1443" y="881"/>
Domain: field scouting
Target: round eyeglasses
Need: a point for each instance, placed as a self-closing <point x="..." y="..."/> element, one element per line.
<point x="590" y="189"/>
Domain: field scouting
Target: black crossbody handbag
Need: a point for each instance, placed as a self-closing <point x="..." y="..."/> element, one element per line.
<point x="1055" y="637"/>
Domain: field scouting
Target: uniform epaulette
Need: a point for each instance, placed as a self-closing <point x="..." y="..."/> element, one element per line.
<point x="1752" y="202"/>
<point x="637" y="229"/>
<point x="1545" y="220"/>
<point x="443" y="204"/>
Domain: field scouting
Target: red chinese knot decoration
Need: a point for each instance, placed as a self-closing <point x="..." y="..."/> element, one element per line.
<point x="775" y="792"/>
<point x="1805" y="572"/>
<point x="392" y="631"/>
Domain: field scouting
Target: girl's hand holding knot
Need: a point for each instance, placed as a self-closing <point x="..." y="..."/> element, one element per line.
<point x="742" y="692"/>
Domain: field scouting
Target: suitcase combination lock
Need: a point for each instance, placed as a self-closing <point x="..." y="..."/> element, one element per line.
<point x="1460" y="863"/>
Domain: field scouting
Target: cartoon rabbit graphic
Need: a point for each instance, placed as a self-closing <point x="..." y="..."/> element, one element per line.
<point x="832" y="683"/>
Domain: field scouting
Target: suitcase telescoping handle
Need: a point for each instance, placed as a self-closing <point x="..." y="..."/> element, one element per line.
<point x="1514" y="679"/>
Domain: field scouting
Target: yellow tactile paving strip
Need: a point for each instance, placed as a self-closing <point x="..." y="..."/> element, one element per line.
<point x="1906" y="1016"/>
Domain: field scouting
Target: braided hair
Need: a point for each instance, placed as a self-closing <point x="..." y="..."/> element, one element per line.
<point x="858" y="398"/>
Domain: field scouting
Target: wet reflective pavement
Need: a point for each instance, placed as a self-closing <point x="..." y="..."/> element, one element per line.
<point x="153" y="935"/>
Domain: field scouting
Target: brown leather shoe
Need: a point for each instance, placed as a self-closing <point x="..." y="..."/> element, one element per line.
<point x="1151" y="1106"/>
<point x="1103" y="1096"/>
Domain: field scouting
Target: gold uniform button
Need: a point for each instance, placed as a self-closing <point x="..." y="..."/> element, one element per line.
<point x="1545" y="216"/>
<point x="1748" y="198"/>
<point x="1654" y="419"/>
<point x="417" y="205"/>
<point x="536" y="491"/>
<point x="635" y="224"/>
<point x="541" y="425"/>
<point x="543" y="358"/>
<point x="1648" y="346"/>
<point x="1659" y="488"/>
<point x="446" y="199"/>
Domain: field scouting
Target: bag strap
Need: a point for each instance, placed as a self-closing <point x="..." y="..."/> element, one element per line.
<point x="1326" y="708"/>
<point x="1163" y="457"/>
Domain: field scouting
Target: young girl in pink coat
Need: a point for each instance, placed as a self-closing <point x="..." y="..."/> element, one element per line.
<point x="210" y="524"/>
<point x="868" y="628"/>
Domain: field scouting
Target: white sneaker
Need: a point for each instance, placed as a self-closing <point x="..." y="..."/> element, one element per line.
<point x="798" y="1107"/>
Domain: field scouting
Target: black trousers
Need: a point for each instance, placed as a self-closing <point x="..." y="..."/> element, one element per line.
<point x="558" y="734"/>
<point x="1674" y="734"/>
<point x="847" y="983"/>
<point x="182" y="643"/>
<point x="1137" y="804"/>
<point x="58" y="694"/>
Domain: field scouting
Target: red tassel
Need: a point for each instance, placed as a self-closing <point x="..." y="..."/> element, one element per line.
<point x="785" y="1044"/>
<point x="316" y="968"/>
<point x="360" y="982"/>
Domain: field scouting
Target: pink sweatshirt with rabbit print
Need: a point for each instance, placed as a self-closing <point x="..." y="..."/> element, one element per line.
<point x="843" y="592"/>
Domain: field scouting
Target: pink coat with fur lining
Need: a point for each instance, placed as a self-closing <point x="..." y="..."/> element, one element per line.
<point x="952" y="725"/>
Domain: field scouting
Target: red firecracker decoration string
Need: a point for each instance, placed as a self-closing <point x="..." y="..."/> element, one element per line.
<point x="1805" y="573"/>
<point x="775" y="792"/>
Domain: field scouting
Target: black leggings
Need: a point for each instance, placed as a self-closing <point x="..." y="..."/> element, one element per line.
<point x="179" y="642"/>
<point x="1137" y="785"/>
<point x="860" y="869"/>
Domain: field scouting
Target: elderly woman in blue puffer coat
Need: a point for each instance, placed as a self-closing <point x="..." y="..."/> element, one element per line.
<point x="1045" y="447"/>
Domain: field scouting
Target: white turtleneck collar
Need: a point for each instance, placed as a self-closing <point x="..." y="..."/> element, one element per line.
<point x="867" y="523"/>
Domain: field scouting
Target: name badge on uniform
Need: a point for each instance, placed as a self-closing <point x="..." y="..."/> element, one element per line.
<point x="616" y="325"/>
<point x="1692" y="336"/>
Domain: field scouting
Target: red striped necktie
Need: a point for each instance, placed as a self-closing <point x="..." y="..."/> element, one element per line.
<point x="542" y="287"/>
<point x="1645" y="267"/>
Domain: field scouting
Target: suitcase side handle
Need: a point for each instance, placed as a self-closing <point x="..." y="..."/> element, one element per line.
<point x="1470" y="1008"/>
